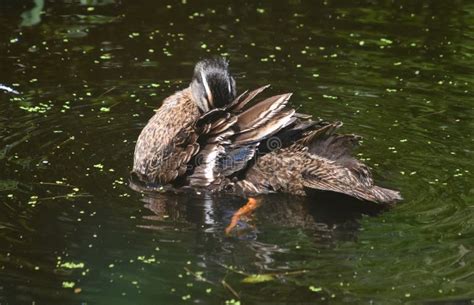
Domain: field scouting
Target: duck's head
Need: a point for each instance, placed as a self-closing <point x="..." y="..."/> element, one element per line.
<point x="212" y="85"/>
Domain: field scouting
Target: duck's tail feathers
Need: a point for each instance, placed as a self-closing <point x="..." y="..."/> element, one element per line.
<point x="387" y="195"/>
<point x="325" y="175"/>
<point x="333" y="168"/>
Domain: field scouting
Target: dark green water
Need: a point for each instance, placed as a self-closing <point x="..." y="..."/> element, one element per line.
<point x="89" y="73"/>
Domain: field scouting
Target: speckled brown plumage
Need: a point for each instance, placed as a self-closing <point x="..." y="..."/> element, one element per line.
<point x="193" y="143"/>
<point x="168" y="141"/>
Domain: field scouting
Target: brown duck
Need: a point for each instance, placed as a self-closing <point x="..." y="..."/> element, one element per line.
<point x="205" y="137"/>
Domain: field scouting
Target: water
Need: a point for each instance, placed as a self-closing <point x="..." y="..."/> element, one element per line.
<point x="89" y="74"/>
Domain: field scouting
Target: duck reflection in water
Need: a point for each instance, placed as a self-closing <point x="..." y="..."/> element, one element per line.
<point x="335" y="215"/>
<point x="263" y="237"/>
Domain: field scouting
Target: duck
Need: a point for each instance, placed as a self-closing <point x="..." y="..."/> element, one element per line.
<point x="207" y="138"/>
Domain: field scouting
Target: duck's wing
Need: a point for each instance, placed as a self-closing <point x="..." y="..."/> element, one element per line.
<point x="231" y="136"/>
<point x="333" y="168"/>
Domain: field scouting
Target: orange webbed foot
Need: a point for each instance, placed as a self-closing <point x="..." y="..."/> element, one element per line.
<point x="251" y="205"/>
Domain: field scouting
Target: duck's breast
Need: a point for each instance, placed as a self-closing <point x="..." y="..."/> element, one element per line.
<point x="162" y="147"/>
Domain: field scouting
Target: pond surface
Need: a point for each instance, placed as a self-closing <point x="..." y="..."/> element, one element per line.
<point x="90" y="73"/>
